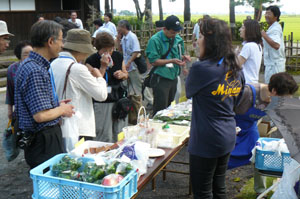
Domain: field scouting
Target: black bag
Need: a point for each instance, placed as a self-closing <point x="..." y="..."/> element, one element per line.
<point x="117" y="92"/>
<point x="141" y="64"/>
<point x="121" y="108"/>
<point x="151" y="80"/>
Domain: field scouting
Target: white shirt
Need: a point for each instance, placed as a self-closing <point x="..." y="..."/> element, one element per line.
<point x="81" y="88"/>
<point x="130" y="44"/>
<point x="112" y="27"/>
<point x="77" y="22"/>
<point x="103" y="29"/>
<point x="196" y="31"/>
<point x="252" y="52"/>
<point x="271" y="55"/>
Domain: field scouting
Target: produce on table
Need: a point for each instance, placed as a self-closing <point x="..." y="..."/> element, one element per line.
<point x="112" y="179"/>
<point x="73" y="169"/>
<point x="179" y="114"/>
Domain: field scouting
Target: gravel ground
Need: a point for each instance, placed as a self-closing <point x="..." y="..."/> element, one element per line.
<point x="15" y="182"/>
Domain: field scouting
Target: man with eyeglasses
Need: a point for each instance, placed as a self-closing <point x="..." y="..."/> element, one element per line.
<point x="37" y="108"/>
<point x="4" y="37"/>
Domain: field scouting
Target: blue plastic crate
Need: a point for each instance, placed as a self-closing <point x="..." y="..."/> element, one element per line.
<point x="46" y="186"/>
<point x="268" y="160"/>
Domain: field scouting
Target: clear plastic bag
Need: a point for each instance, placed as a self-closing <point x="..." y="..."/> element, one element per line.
<point x="285" y="189"/>
<point x="70" y="131"/>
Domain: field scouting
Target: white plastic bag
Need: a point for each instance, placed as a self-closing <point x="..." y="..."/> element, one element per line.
<point x="285" y="189"/>
<point x="70" y="131"/>
<point x="142" y="154"/>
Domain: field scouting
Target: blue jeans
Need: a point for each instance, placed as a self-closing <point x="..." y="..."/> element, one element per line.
<point x="208" y="176"/>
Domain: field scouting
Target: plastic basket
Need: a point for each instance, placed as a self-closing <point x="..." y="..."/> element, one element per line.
<point x="46" y="186"/>
<point x="268" y="160"/>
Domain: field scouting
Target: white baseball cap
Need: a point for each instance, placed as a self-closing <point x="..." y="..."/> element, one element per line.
<point x="3" y="29"/>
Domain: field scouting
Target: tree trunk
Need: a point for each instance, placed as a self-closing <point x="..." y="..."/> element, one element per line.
<point x="139" y="13"/>
<point x="187" y="10"/>
<point x="161" y="14"/>
<point x="148" y="11"/>
<point x="232" y="18"/>
<point x="258" y="13"/>
<point x="112" y="7"/>
<point x="106" y="6"/>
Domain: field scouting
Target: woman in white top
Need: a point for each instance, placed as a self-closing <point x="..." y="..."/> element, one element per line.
<point x="82" y="85"/>
<point x="251" y="53"/>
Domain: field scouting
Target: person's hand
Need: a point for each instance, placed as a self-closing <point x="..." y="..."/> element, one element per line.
<point x="178" y="62"/>
<point x="65" y="101"/>
<point x="186" y="58"/>
<point x="119" y="36"/>
<point x="128" y="65"/>
<point x="67" y="109"/>
<point x="263" y="34"/>
<point x="9" y="114"/>
<point x="119" y="74"/>
<point x="194" y="44"/>
<point x="90" y="68"/>
<point x="237" y="50"/>
<point x="96" y="72"/>
<point x="104" y="60"/>
<point x="185" y="71"/>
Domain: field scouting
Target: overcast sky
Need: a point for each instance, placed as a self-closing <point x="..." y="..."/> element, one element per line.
<point x="201" y="6"/>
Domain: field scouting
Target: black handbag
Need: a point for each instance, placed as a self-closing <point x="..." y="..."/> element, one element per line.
<point x="141" y="64"/>
<point x="121" y="108"/>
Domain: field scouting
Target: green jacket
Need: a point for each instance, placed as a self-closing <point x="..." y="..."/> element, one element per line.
<point x="158" y="46"/>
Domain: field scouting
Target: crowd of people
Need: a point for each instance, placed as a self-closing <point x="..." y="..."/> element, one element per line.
<point x="64" y="71"/>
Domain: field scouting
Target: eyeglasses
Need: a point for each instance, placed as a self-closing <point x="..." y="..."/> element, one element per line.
<point x="62" y="40"/>
<point x="6" y="40"/>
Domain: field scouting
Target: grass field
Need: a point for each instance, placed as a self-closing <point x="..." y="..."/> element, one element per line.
<point x="291" y="22"/>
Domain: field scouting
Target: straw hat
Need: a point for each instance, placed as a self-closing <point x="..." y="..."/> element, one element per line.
<point x="80" y="41"/>
<point x="3" y="29"/>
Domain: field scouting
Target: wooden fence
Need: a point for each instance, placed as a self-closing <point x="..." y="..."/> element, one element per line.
<point x="292" y="52"/>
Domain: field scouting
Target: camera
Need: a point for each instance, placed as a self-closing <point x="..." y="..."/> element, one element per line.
<point x="24" y="139"/>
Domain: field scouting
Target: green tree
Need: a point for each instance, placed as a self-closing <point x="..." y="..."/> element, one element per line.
<point x="148" y="11"/>
<point x="139" y="13"/>
<point x="106" y="6"/>
<point x="126" y="13"/>
<point x="161" y="14"/>
<point x="187" y="10"/>
<point x="232" y="4"/>
<point x="258" y="6"/>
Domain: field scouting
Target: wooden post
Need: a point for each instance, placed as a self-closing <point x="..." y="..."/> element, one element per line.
<point x="297" y="55"/>
<point x="292" y="36"/>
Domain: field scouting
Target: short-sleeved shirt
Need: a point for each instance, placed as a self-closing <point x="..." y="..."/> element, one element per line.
<point x="130" y="44"/>
<point x="10" y="86"/>
<point x="252" y="52"/>
<point x="34" y="92"/>
<point x="102" y="29"/>
<point x="196" y="30"/>
<point x="157" y="46"/>
<point x="215" y="92"/>
<point x="112" y="27"/>
<point x="78" y="23"/>
<point x="94" y="61"/>
<point x="271" y="55"/>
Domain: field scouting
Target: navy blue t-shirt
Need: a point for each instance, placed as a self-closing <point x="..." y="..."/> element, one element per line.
<point x="215" y="92"/>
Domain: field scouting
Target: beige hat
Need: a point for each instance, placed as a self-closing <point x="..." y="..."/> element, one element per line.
<point x="3" y="29"/>
<point x="80" y="41"/>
